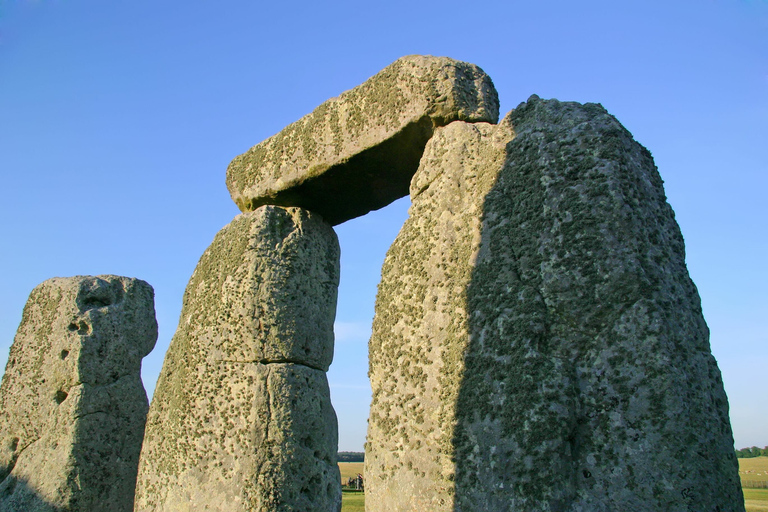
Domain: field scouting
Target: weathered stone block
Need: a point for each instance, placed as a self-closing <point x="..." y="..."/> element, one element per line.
<point x="72" y="406"/>
<point x="241" y="417"/>
<point x="538" y="343"/>
<point x="357" y="152"/>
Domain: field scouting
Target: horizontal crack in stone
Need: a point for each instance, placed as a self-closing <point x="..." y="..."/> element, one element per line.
<point x="273" y="361"/>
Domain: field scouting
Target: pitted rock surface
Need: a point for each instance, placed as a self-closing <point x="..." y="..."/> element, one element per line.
<point x="357" y="152"/>
<point x="538" y="343"/>
<point x="241" y="418"/>
<point x="72" y="405"/>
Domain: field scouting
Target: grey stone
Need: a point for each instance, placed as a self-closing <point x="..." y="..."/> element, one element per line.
<point x="72" y="406"/>
<point x="357" y="152"/>
<point x="241" y="417"/>
<point x="538" y="343"/>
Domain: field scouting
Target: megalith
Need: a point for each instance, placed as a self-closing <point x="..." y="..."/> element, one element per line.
<point x="357" y="152"/>
<point x="241" y="418"/>
<point x="537" y="342"/>
<point x="72" y="405"/>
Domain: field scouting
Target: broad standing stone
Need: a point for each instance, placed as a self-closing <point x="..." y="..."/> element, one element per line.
<point x="72" y="406"/>
<point x="357" y="152"/>
<point x="538" y="344"/>
<point x="241" y="418"/>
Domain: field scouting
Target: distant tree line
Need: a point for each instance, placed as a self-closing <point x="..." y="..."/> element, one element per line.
<point x="351" y="457"/>
<point x="748" y="453"/>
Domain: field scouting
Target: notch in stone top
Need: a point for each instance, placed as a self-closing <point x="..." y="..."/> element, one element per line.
<point x="357" y="152"/>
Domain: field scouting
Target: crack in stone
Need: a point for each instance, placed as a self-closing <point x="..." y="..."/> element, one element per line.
<point x="273" y="361"/>
<point x="89" y="414"/>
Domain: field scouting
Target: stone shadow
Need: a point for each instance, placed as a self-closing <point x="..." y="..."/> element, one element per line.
<point x="588" y="381"/>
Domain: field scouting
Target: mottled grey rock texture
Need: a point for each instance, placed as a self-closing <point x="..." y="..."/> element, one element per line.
<point x="538" y="344"/>
<point x="241" y="418"/>
<point x="357" y="152"/>
<point x="72" y="406"/>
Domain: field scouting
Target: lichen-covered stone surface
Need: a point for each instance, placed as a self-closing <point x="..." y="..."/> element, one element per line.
<point x="357" y="152"/>
<point x="72" y="405"/>
<point x="241" y="418"/>
<point x="538" y="344"/>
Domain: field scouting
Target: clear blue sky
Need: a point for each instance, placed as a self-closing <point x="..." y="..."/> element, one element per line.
<point x="118" y="120"/>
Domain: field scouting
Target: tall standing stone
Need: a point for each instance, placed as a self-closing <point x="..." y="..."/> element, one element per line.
<point x="538" y="343"/>
<point x="241" y="418"/>
<point x="357" y="152"/>
<point x="72" y="406"/>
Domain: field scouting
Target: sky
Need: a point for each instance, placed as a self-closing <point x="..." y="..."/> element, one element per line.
<point x="118" y="121"/>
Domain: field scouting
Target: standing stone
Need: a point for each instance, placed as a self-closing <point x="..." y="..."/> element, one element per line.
<point x="538" y="343"/>
<point x="72" y="406"/>
<point x="241" y="418"/>
<point x="357" y="152"/>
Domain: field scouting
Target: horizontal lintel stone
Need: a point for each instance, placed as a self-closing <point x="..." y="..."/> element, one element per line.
<point x="357" y="152"/>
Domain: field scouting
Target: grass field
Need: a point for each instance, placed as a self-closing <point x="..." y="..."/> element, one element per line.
<point x="755" y="500"/>
<point x="755" y="469"/>
<point x="351" y="469"/>
<point x="352" y="501"/>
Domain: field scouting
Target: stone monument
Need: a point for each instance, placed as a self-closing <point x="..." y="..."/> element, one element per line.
<point x="538" y="344"/>
<point x="72" y="405"/>
<point x="241" y="418"/>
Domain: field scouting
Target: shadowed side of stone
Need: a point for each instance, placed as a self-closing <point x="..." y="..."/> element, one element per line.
<point x="241" y="418"/>
<point x="609" y="303"/>
<point x="537" y="329"/>
<point x="72" y="405"/>
<point x="357" y="152"/>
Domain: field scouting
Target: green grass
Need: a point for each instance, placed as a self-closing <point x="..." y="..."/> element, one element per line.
<point x="352" y="502"/>
<point x="756" y="500"/>
<point x="756" y="494"/>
